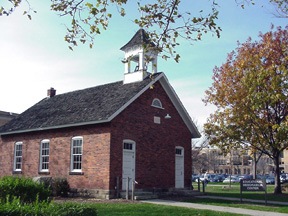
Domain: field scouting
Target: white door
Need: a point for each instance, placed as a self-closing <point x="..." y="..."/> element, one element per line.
<point x="128" y="164"/>
<point x="179" y="167"/>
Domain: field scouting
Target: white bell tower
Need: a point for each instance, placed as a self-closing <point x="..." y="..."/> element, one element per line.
<point x="140" y="58"/>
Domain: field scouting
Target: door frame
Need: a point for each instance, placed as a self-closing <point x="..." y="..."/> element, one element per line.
<point x="128" y="146"/>
<point x="179" y="156"/>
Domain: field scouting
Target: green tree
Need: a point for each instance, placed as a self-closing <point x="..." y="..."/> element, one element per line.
<point x="164" y="20"/>
<point x="250" y="92"/>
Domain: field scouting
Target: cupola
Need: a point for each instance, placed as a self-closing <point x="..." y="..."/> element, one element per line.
<point x="140" y="57"/>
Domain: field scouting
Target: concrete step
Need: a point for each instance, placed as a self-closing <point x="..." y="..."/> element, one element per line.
<point x="140" y="195"/>
<point x="145" y="196"/>
<point x="185" y="192"/>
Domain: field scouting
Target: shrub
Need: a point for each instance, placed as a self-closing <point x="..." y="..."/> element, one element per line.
<point x="284" y="187"/>
<point x="25" y="189"/>
<point x="60" y="187"/>
<point x="15" y="208"/>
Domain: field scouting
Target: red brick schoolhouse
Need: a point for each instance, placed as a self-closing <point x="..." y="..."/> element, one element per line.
<point x="98" y="137"/>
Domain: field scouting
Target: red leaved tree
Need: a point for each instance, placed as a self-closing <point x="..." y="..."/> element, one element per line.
<point x="250" y="92"/>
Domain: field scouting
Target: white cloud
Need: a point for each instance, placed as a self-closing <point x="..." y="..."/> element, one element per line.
<point x="191" y="93"/>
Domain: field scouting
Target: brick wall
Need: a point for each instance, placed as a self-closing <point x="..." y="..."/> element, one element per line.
<point x="96" y="158"/>
<point x="155" y="143"/>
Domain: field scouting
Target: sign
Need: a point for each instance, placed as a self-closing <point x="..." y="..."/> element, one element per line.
<point x="253" y="185"/>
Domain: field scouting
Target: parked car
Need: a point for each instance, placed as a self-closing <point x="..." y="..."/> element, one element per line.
<point x="246" y="177"/>
<point x="221" y="177"/>
<point x="258" y="176"/>
<point x="249" y="177"/>
<point x="270" y="180"/>
<point x="284" y="177"/>
<point x="201" y="177"/>
<point x="217" y="178"/>
<point x="194" y="177"/>
<point x="212" y="177"/>
<point x="233" y="179"/>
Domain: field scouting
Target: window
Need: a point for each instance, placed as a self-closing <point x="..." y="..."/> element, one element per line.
<point x="76" y="154"/>
<point x="157" y="103"/>
<point x="44" y="155"/>
<point x="157" y="120"/>
<point x="128" y="146"/>
<point x="179" y="151"/>
<point x="18" y="156"/>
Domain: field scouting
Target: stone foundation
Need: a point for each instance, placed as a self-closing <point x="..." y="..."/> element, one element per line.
<point x="92" y="193"/>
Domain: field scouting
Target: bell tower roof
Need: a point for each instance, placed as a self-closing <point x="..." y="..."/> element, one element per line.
<point x="140" y="38"/>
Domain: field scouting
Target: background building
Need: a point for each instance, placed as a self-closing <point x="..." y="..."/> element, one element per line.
<point x="6" y="117"/>
<point x="236" y="162"/>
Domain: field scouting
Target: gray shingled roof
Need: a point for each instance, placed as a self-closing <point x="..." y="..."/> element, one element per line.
<point x="140" y="38"/>
<point x="94" y="104"/>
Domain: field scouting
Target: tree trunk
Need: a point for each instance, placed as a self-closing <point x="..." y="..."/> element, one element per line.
<point x="277" y="189"/>
<point x="254" y="161"/>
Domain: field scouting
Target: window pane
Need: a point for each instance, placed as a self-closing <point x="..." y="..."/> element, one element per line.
<point x="178" y="151"/>
<point x="77" y="150"/>
<point x="128" y="146"/>
<point x="45" y="159"/>
<point x="18" y="147"/>
<point x="18" y="160"/>
<point x="18" y="153"/>
<point x="18" y="166"/>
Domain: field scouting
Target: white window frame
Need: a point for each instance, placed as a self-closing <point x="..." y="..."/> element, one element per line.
<point x="44" y="153"/>
<point x="157" y="103"/>
<point x="18" y="157"/>
<point x="76" y="140"/>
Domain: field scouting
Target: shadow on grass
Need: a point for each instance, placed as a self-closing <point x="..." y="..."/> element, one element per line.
<point x="253" y="196"/>
<point x="238" y="204"/>
<point x="225" y="190"/>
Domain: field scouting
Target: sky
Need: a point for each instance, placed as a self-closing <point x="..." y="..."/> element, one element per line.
<point x="35" y="57"/>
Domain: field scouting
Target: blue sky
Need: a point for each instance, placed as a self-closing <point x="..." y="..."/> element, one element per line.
<point x="34" y="56"/>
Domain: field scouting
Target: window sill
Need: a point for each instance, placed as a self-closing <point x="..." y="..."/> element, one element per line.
<point x="44" y="173"/>
<point x="76" y="173"/>
<point x="17" y="172"/>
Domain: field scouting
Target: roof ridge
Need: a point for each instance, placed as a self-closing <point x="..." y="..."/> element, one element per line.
<point x="91" y="87"/>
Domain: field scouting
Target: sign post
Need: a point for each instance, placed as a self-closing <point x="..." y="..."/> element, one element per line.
<point x="253" y="185"/>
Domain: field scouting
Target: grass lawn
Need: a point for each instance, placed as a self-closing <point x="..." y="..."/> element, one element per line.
<point x="218" y="189"/>
<point x="234" y="191"/>
<point x="142" y="209"/>
<point x="137" y="209"/>
<point x="237" y="204"/>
